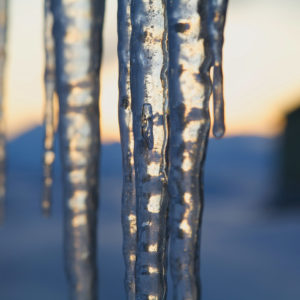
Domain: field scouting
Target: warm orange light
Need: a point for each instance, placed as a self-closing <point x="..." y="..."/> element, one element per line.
<point x="261" y="67"/>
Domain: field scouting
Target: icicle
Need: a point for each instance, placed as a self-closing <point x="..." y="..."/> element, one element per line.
<point x="78" y="44"/>
<point x="149" y="100"/>
<point x="3" y="38"/>
<point x="127" y="142"/>
<point x="216" y="22"/>
<point x="49" y="81"/>
<point x="189" y="127"/>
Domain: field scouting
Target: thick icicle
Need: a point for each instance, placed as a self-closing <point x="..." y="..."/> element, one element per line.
<point x="216" y="22"/>
<point x="148" y="76"/>
<point x="127" y="142"/>
<point x="49" y="82"/>
<point x="3" y="38"/>
<point x="78" y="45"/>
<point x="189" y="128"/>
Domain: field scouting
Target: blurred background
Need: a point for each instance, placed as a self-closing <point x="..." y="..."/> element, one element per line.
<point x="250" y="236"/>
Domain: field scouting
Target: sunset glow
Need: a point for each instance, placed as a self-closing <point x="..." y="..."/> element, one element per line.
<point x="261" y="69"/>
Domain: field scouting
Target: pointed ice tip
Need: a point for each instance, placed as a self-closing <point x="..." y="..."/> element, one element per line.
<point x="218" y="131"/>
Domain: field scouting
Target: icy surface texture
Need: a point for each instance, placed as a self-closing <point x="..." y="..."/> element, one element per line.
<point x="127" y="143"/>
<point x="3" y="38"/>
<point x="49" y="82"/>
<point x="148" y="76"/>
<point x="216" y="11"/>
<point x="170" y="44"/>
<point x="78" y="46"/>
<point x="190" y="90"/>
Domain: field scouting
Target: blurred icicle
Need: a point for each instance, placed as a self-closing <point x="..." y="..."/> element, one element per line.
<point x="3" y="38"/>
<point x="78" y="46"/>
<point x="190" y="91"/>
<point x="216" y="21"/>
<point x="49" y="82"/>
<point x="148" y="75"/>
<point x="127" y="142"/>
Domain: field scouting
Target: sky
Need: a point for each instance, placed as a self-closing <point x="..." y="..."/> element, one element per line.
<point x="261" y="67"/>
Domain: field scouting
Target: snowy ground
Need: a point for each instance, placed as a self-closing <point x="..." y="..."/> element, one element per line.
<point x="247" y="253"/>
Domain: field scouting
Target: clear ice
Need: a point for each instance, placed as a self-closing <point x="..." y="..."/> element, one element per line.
<point x="78" y="46"/>
<point x="127" y="143"/>
<point x="216" y="21"/>
<point x="166" y="51"/>
<point x="49" y="83"/>
<point x="165" y="102"/>
<point x="189" y="92"/>
<point x="148" y="81"/>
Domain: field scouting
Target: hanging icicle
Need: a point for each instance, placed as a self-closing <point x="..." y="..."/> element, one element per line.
<point x="190" y="90"/>
<point x="49" y="82"/>
<point x="127" y="142"/>
<point x="148" y="75"/>
<point x="3" y="38"/>
<point x="78" y="47"/>
<point x="216" y="21"/>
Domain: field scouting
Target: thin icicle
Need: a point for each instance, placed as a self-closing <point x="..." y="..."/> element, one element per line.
<point x="149" y="97"/>
<point x="49" y="82"/>
<point x="216" y="22"/>
<point x="127" y="142"/>
<point x="78" y="45"/>
<point x="3" y="38"/>
<point x="189" y="127"/>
